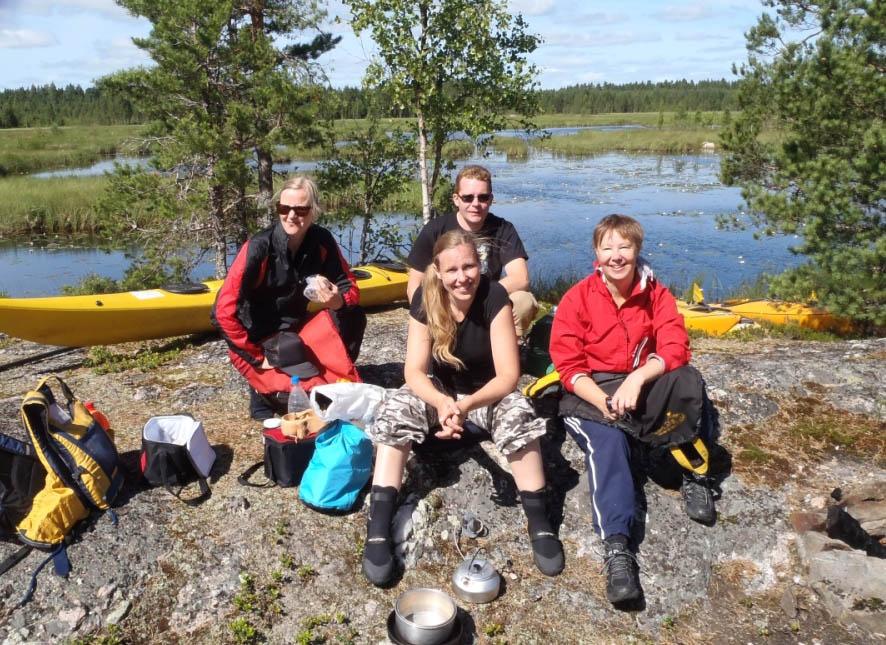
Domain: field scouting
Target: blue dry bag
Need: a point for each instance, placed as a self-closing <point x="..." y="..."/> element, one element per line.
<point x="338" y="470"/>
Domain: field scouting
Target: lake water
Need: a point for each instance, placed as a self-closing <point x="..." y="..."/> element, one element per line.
<point x="554" y="202"/>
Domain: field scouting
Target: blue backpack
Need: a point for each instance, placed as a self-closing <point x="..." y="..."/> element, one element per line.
<point x="338" y="470"/>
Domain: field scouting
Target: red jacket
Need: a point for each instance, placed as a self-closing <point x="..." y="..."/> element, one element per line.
<point x="590" y="334"/>
<point x="263" y="292"/>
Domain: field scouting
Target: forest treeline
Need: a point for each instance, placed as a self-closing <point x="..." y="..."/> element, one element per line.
<point x="72" y="105"/>
<point x="48" y="105"/>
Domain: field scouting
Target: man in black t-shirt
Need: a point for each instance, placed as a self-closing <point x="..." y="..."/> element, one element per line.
<point x="501" y="251"/>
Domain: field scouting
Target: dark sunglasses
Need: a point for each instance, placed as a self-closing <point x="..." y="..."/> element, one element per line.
<point x="301" y="211"/>
<point x="483" y="198"/>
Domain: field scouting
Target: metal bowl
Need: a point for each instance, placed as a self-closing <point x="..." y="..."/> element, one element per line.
<point x="424" y="616"/>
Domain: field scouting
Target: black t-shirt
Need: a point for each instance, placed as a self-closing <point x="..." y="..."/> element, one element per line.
<point x="502" y="245"/>
<point x="473" y="344"/>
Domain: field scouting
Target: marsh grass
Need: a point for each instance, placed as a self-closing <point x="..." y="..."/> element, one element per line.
<point x="514" y="148"/>
<point x="27" y="150"/>
<point x="666" y="141"/>
<point x="58" y="205"/>
<point x="458" y="149"/>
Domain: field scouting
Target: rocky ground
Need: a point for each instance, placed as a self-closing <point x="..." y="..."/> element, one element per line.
<point x="797" y="419"/>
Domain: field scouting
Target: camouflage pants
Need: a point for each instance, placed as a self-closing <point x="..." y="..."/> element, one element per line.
<point x="403" y="418"/>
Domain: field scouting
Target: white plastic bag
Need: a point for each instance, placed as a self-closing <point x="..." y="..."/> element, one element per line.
<point x="355" y="402"/>
<point x="314" y="284"/>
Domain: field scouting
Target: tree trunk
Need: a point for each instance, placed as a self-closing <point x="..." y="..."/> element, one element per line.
<point x="265" y="186"/>
<point x="364" y="238"/>
<point x="439" y="140"/>
<point x="262" y="155"/>
<point x="217" y="220"/>
<point x="242" y="232"/>
<point x="423" y="169"/>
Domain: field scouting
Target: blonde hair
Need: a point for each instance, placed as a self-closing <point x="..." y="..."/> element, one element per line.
<point x="300" y="182"/>
<point x="435" y="299"/>
<point x="473" y="172"/>
<point x="629" y="228"/>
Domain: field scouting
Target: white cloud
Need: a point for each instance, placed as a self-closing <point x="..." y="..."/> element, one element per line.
<point x="685" y="13"/>
<point x="704" y="35"/>
<point x="598" y="39"/>
<point x="120" y="53"/>
<point x="105" y="8"/>
<point x="532" y="7"/>
<point x="25" y="39"/>
<point x="600" y="18"/>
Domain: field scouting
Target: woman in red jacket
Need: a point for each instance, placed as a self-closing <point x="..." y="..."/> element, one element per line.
<point x="622" y="352"/>
<point x="264" y="293"/>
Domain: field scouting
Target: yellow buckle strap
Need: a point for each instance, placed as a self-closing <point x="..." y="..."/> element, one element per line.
<point x="698" y="466"/>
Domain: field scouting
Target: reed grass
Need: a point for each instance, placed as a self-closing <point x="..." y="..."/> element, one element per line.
<point x="57" y="205"/>
<point x="514" y="148"/>
<point x="27" y="150"/>
<point x="665" y="141"/>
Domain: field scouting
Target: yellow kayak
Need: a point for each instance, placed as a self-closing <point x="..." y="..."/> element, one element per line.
<point x="712" y="320"/>
<point x="105" y="319"/>
<point x="787" y="313"/>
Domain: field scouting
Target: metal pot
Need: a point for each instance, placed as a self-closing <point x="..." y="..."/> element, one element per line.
<point x="476" y="580"/>
<point x="424" y="616"/>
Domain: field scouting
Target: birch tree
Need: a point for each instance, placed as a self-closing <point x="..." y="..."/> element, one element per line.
<point x="456" y="65"/>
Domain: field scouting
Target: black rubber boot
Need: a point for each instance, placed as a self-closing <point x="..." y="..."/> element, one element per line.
<point x="622" y="572"/>
<point x="259" y="407"/>
<point x="547" y="551"/>
<point x="378" y="554"/>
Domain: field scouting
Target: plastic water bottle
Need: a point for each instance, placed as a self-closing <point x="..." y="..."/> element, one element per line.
<point x="298" y="400"/>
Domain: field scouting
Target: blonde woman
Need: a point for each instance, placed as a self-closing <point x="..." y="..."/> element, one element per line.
<point x="263" y="293"/>
<point x="461" y="364"/>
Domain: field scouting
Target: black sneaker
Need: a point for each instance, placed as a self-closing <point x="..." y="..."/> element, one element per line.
<point x="622" y="571"/>
<point x="698" y="498"/>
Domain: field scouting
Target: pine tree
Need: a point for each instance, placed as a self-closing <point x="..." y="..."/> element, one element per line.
<point x="220" y="94"/>
<point x="815" y="75"/>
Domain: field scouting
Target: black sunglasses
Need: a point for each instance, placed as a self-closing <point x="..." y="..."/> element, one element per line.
<point x="481" y="197"/>
<point x="301" y="211"/>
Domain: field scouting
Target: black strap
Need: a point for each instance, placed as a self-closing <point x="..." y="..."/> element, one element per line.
<point x="59" y="558"/>
<point x="205" y="491"/>
<point x="243" y="479"/>
<point x="15" y="558"/>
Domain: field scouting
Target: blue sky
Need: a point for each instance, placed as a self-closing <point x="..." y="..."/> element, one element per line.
<point x="585" y="41"/>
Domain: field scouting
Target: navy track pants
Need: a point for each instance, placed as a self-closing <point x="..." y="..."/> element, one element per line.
<point x="608" y="457"/>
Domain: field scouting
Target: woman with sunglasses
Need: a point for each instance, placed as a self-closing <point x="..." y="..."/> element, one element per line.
<point x="264" y="292"/>
<point x="462" y="334"/>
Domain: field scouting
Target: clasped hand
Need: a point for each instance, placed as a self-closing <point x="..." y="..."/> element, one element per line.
<point x="626" y="396"/>
<point x="451" y="418"/>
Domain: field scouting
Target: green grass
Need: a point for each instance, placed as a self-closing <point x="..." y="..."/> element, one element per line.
<point x="58" y="205"/>
<point x="514" y="148"/>
<point x="27" y="150"/>
<point x="666" y="141"/>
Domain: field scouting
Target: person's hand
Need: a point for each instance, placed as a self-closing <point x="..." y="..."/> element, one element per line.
<point x="328" y="296"/>
<point x="450" y="417"/>
<point x="628" y="393"/>
<point x="600" y="404"/>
